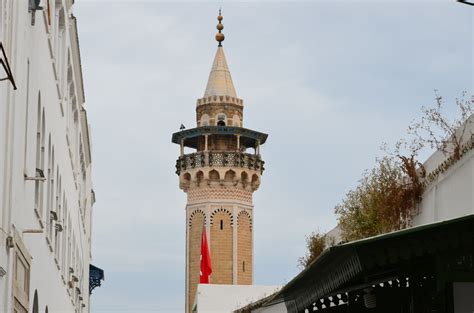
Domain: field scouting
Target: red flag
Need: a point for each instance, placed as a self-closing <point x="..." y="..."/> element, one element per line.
<point x="206" y="268"/>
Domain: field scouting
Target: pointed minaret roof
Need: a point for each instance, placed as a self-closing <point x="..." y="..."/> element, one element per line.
<point x="220" y="81"/>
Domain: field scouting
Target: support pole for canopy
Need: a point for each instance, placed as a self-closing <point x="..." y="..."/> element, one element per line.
<point x="182" y="147"/>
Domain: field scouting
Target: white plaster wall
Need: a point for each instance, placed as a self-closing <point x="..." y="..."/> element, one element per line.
<point x="18" y="121"/>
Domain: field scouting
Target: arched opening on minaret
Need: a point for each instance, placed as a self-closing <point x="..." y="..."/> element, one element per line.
<point x="255" y="181"/>
<point x="236" y="120"/>
<point x="229" y="176"/>
<point x="187" y="178"/>
<point x="222" y="247"/>
<point x="199" y="177"/>
<point x="214" y="175"/>
<point x="205" y="120"/>
<point x="221" y="119"/>
<point x="244" y="248"/>
<point x="244" y="177"/>
<point x="196" y="225"/>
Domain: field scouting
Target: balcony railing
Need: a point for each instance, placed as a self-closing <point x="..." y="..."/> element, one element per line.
<point x="219" y="159"/>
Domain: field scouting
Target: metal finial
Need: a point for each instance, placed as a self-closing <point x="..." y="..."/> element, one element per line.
<point x="220" y="36"/>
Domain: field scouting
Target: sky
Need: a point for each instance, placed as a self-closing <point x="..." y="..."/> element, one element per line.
<point x="329" y="81"/>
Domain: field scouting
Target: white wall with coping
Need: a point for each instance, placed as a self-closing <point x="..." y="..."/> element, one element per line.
<point x="451" y="194"/>
<point x="227" y="298"/>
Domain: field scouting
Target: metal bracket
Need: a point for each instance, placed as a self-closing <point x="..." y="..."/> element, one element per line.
<point x="6" y="67"/>
<point x="39" y="176"/>
<point x="466" y="2"/>
<point x="33" y="7"/>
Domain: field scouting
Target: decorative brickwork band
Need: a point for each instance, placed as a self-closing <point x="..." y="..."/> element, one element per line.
<point x="219" y="193"/>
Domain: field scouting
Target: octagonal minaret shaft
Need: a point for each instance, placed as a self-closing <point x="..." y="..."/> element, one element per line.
<point x="219" y="178"/>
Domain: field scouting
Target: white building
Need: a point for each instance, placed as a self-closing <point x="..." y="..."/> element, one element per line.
<point x="46" y="193"/>
<point x="227" y="298"/>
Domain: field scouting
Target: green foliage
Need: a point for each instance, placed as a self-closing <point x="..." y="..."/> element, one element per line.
<point x="315" y="243"/>
<point x="385" y="199"/>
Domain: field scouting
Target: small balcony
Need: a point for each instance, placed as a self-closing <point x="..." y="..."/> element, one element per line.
<point x="219" y="159"/>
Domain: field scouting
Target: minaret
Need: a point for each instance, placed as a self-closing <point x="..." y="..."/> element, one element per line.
<point x="219" y="178"/>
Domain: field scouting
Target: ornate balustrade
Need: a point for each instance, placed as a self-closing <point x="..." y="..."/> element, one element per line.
<point x="219" y="159"/>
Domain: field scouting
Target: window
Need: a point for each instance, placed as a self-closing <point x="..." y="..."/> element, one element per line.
<point x="50" y="202"/>
<point x="205" y="120"/>
<point x="64" y="239"/>
<point x="49" y="185"/>
<point x="26" y="113"/>
<point x="236" y="120"/>
<point x="21" y="276"/>
<point x="222" y="224"/>
<point x="39" y="157"/>
<point x="59" y="40"/>
<point x="221" y="120"/>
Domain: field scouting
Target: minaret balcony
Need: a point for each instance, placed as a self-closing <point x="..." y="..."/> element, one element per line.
<point x="220" y="159"/>
<point x="192" y="137"/>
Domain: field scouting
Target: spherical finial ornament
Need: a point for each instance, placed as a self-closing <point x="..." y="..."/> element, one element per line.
<point x="220" y="36"/>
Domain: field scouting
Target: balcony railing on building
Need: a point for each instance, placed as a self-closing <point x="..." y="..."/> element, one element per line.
<point x="219" y="159"/>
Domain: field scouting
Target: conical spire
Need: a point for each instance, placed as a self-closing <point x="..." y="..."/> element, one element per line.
<point x="220" y="82"/>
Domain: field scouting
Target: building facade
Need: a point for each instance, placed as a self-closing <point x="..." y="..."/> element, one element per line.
<point x="46" y="193"/>
<point x="219" y="178"/>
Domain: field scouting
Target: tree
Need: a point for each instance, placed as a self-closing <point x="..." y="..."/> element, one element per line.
<point x="315" y="244"/>
<point x="387" y="197"/>
<point x="438" y="132"/>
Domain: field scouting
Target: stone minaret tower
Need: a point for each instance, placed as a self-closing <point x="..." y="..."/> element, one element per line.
<point x="219" y="178"/>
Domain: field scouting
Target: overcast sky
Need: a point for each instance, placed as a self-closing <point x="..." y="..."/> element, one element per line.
<point x="329" y="81"/>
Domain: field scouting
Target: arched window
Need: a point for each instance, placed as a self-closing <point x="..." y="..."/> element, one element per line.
<point x="229" y="176"/>
<point x="236" y="121"/>
<point x="39" y="151"/>
<point x="49" y="182"/>
<point x="214" y="175"/>
<point x="204" y="120"/>
<point x="187" y="178"/>
<point x="199" y="177"/>
<point x="255" y="181"/>
<point x="221" y="119"/>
